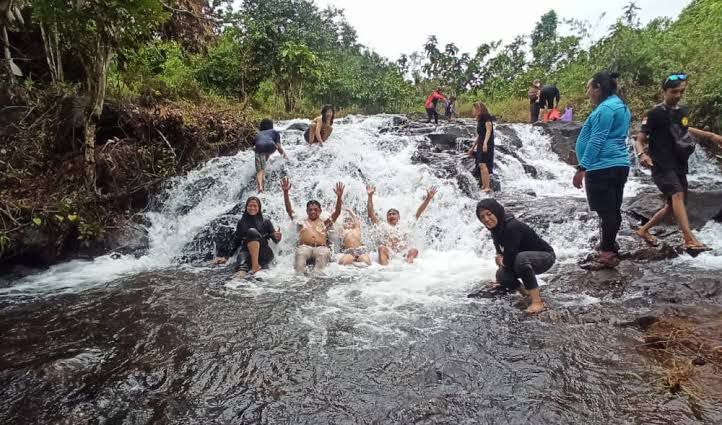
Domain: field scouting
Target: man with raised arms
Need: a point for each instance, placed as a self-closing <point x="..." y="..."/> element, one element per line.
<point x="312" y="232"/>
<point x="353" y="249"/>
<point x="394" y="239"/>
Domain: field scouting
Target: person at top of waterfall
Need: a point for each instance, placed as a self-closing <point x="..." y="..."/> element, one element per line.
<point x="267" y="142"/>
<point x="548" y="99"/>
<point x="313" y="231"/>
<point x="321" y="127"/>
<point x="394" y="239"/>
<point x="665" y="144"/>
<point x="252" y="235"/>
<point x="520" y="252"/>
<point x="450" y="110"/>
<point x="533" y="94"/>
<point x="601" y="149"/>
<point x="483" y="147"/>
<point x="353" y="249"/>
<point x="431" y="103"/>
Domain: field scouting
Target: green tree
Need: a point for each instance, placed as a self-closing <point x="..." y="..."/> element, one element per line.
<point x="296" y="65"/>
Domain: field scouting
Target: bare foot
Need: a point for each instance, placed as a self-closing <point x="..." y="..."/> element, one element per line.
<point x="695" y="246"/>
<point x="647" y="237"/>
<point x="486" y="190"/>
<point x="535" y="308"/>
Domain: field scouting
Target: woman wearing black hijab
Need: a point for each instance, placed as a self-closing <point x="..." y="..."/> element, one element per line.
<point x="520" y="252"/>
<point x="252" y="235"/>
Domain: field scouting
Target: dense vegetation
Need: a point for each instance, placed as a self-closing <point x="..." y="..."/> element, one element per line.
<point x="216" y="63"/>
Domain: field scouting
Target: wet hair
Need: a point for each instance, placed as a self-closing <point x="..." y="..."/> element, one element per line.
<point x="313" y="202"/>
<point x="266" y="124"/>
<point x="482" y="109"/>
<point x="606" y="82"/>
<point x="393" y="210"/>
<point x="325" y="109"/>
<point x="673" y="84"/>
<point x="253" y="198"/>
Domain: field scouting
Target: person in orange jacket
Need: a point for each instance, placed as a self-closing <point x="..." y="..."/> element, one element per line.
<point x="430" y="105"/>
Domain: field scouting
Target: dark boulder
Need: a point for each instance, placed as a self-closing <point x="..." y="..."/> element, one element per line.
<point x="443" y="141"/>
<point x="563" y="138"/>
<point x="216" y="239"/>
<point x="298" y="126"/>
<point x="508" y="135"/>
<point x="701" y="207"/>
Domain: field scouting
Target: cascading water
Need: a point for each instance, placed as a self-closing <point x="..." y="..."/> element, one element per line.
<point x="404" y="338"/>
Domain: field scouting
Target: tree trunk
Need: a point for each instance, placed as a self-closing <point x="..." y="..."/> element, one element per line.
<point x="52" y="51"/>
<point x="8" y="57"/>
<point x="96" y="74"/>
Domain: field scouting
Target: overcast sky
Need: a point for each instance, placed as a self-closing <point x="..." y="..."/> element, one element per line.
<point x="393" y="27"/>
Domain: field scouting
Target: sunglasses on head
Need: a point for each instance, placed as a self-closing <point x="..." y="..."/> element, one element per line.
<point x="675" y="77"/>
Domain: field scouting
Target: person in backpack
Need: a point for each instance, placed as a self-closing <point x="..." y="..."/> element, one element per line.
<point x="665" y="144"/>
<point x="266" y="142"/>
<point x="431" y="103"/>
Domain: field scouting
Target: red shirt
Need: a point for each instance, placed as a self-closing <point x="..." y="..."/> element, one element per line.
<point x="435" y="95"/>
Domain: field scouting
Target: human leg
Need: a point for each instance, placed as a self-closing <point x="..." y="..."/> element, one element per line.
<point x="411" y="255"/>
<point x="643" y="232"/>
<point x="507" y="279"/>
<point x="301" y="257"/>
<point x="485" y="178"/>
<point x="365" y="258"/>
<point x="680" y="214"/>
<point x="322" y="255"/>
<point x="383" y="255"/>
<point x="346" y="259"/>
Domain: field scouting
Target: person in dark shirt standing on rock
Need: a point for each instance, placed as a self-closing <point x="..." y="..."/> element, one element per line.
<point x="533" y="94"/>
<point x="548" y="99"/>
<point x="431" y="103"/>
<point x="483" y="148"/>
<point x="520" y="252"/>
<point x="604" y="162"/>
<point x="252" y="235"/>
<point x="666" y="128"/>
<point x="267" y="141"/>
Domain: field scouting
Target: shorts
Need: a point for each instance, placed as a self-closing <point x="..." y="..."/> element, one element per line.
<point x="261" y="159"/>
<point x="670" y="182"/>
<point x="486" y="157"/>
<point x="306" y="255"/>
<point x="356" y="252"/>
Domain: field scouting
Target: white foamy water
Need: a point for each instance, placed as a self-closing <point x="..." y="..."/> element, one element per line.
<point x="456" y="252"/>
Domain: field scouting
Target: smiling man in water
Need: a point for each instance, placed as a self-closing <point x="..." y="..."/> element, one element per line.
<point x="312" y="232"/>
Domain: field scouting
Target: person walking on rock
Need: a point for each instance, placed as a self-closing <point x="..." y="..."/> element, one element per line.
<point x="431" y="103"/>
<point x="533" y="94"/>
<point x="267" y="142"/>
<point x="666" y="131"/>
<point x="604" y="163"/>
<point x="520" y="252"/>
<point x="483" y="148"/>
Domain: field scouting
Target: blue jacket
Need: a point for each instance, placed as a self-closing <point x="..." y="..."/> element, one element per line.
<point x="602" y="142"/>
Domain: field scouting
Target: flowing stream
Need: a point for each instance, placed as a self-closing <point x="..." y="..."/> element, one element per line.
<point x="164" y="337"/>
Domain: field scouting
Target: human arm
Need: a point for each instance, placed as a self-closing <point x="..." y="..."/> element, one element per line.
<point x="512" y="243"/>
<point x="318" y="123"/>
<point x="429" y="196"/>
<point x="286" y="187"/>
<point x="707" y="135"/>
<point x="641" y="150"/>
<point x="281" y="150"/>
<point x="370" y="190"/>
<point x="338" y="190"/>
<point x="271" y="232"/>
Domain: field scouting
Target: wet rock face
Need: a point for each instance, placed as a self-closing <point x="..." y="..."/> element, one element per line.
<point x="299" y="126"/>
<point x="563" y="138"/>
<point x="702" y="206"/>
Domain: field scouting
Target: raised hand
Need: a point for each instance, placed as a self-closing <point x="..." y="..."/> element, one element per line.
<point x="285" y="184"/>
<point x="431" y="192"/>
<point x="338" y="190"/>
<point x="371" y="189"/>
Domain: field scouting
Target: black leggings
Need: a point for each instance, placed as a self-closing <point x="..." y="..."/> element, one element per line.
<point x="527" y="265"/>
<point x="431" y="113"/>
<point x="605" y="190"/>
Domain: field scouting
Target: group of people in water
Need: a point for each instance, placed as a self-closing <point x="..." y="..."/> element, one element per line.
<point x="664" y="144"/>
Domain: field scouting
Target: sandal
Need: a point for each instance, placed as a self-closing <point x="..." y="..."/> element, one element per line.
<point x="648" y="238"/>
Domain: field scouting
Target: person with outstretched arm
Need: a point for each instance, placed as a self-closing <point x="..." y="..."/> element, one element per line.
<point x="520" y="252"/>
<point x="353" y="250"/>
<point x="431" y="103"/>
<point x="395" y="240"/>
<point x="252" y="235"/>
<point x="321" y="127"/>
<point x="267" y="142"/>
<point x="312" y="232"/>
<point x="601" y="149"/>
<point x="664" y="145"/>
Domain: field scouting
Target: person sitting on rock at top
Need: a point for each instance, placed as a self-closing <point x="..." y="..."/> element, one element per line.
<point x="520" y="252"/>
<point x="353" y="249"/>
<point x="483" y="148"/>
<point x="666" y="128"/>
<point x="431" y="103"/>
<point x="252" y="235"/>
<point x="321" y="127"/>
<point x="548" y="99"/>
<point x="312" y="232"/>
<point x="533" y="94"/>
<point x="267" y="141"/>
<point x="450" y="110"/>
<point x="394" y="239"/>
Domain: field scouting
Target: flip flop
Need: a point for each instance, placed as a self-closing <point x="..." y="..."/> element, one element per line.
<point x="696" y="249"/>
<point x="651" y="240"/>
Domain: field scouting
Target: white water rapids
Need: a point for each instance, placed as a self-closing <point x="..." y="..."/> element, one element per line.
<point x="456" y="253"/>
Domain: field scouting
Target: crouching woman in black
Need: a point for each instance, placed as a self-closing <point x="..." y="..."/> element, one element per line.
<point x="520" y="252"/>
<point x="252" y="235"/>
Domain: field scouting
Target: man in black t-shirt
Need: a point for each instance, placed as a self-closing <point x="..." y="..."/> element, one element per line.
<point x="666" y="128"/>
<point x="548" y="99"/>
